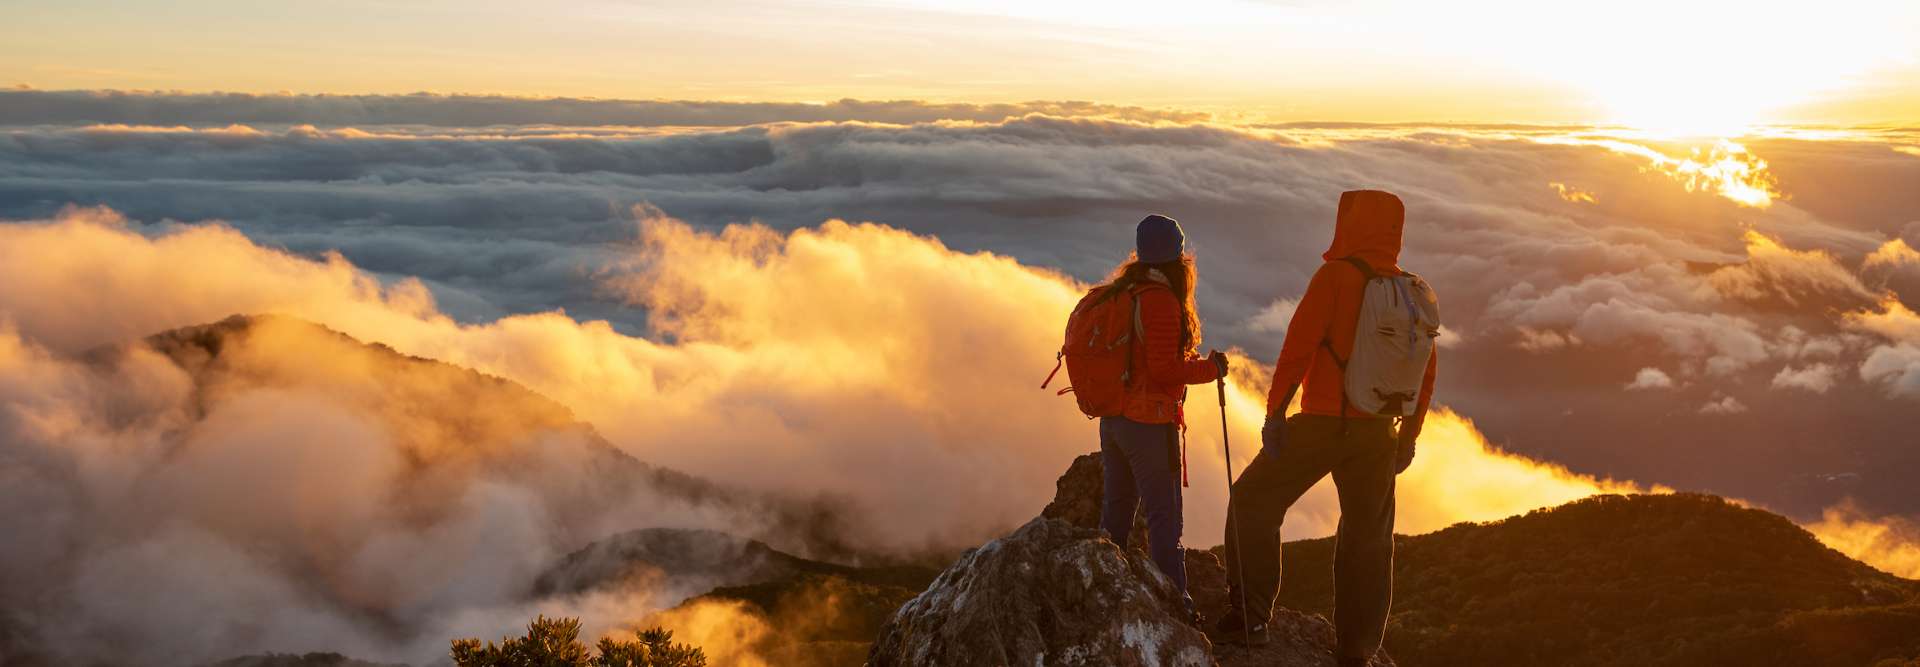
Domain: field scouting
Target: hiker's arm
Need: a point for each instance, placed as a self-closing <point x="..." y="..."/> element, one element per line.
<point x="1410" y="427"/>
<point x="1311" y="321"/>
<point x="1160" y="320"/>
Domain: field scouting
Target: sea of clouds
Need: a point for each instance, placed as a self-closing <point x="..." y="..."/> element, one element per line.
<point x="1726" y="317"/>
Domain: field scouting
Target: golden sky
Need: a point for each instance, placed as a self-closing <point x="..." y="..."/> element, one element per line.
<point x="1661" y="64"/>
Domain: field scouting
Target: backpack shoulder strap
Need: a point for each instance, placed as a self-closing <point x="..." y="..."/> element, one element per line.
<point x="1361" y="264"/>
<point x="1137" y="289"/>
<point x="1139" y="327"/>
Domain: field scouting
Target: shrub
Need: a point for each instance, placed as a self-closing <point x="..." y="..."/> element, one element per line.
<point x="555" y="642"/>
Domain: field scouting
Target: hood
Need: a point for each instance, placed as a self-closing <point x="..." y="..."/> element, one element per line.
<point x="1368" y="227"/>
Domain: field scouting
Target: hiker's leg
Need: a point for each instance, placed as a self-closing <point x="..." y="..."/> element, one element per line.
<point x="1363" y="549"/>
<point x="1154" y="455"/>
<point x="1258" y="506"/>
<point x="1118" y="499"/>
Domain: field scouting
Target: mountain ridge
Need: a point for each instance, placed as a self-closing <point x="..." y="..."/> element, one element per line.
<point x="1652" y="579"/>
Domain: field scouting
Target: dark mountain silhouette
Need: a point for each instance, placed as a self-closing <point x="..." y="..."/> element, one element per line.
<point x="1681" y="579"/>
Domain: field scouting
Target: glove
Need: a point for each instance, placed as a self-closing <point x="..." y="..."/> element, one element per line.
<point x="1403" y="456"/>
<point x="1219" y="360"/>
<point x="1273" y="434"/>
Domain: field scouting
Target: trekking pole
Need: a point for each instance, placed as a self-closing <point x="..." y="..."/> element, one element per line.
<point x="1226" y="443"/>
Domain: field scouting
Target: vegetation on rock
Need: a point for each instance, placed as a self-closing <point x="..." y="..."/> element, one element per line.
<point x="555" y="642"/>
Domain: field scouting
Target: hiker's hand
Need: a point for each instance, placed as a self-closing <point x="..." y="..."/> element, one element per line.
<point x="1219" y="360"/>
<point x="1273" y="434"/>
<point x="1403" y="455"/>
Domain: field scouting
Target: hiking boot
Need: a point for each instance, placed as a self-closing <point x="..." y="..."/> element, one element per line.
<point x="1237" y="628"/>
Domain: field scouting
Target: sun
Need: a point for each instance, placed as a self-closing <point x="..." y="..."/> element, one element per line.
<point x="1687" y="68"/>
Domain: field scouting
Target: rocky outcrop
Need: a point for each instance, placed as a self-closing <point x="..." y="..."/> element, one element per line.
<point x="1077" y="494"/>
<point x="1056" y="592"/>
<point x="1294" y="638"/>
<point x="1050" y="593"/>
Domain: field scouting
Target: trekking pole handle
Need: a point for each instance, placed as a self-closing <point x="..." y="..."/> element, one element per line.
<point x="1220" y="382"/>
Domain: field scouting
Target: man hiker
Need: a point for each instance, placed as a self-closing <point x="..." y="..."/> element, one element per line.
<point x="1130" y="351"/>
<point x="1361" y="344"/>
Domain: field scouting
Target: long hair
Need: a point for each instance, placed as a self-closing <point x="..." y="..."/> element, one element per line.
<point x="1180" y="276"/>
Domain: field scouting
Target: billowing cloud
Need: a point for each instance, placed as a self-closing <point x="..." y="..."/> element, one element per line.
<point x="1794" y="343"/>
<point x="1651" y="304"/>
<point x="1816" y="378"/>
<point x="1650" y="378"/>
<point x="1894" y="253"/>
<point x="1723" y="405"/>
<point x="1774" y="270"/>
<point x="1896" y="363"/>
<point x="1894" y="321"/>
<point x="1275" y="317"/>
<point x="1891" y="544"/>
<point x="1895" y="366"/>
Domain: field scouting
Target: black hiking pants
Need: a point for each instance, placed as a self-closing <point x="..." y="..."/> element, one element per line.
<point x="1360" y="456"/>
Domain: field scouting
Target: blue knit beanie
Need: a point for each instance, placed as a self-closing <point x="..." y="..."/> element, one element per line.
<point x="1158" y="239"/>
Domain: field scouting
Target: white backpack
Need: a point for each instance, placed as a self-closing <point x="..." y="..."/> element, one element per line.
<point x="1392" y="342"/>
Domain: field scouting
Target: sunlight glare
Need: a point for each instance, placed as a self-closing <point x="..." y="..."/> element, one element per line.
<point x="1724" y="168"/>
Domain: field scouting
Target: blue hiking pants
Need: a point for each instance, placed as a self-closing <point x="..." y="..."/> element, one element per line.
<point x="1142" y="463"/>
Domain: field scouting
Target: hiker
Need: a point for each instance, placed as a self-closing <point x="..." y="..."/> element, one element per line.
<point x="1131" y="351"/>
<point x="1348" y="431"/>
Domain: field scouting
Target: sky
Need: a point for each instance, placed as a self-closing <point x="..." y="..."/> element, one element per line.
<point x="1672" y="66"/>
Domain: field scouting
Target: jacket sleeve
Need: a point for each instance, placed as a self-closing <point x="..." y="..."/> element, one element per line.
<point x="1160" y="327"/>
<point x="1410" y="427"/>
<point x="1312" y="320"/>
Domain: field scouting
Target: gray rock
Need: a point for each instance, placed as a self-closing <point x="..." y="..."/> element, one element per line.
<point x="1050" y="593"/>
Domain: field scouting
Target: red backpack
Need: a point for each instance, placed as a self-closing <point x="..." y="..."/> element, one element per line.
<point x="1098" y="351"/>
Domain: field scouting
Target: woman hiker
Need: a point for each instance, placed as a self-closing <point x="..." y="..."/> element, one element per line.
<point x="1140" y="449"/>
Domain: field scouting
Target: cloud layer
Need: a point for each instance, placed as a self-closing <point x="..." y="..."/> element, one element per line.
<point x="326" y="489"/>
<point x="1662" y="269"/>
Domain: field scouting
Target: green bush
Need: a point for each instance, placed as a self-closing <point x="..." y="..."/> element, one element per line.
<point x="555" y="642"/>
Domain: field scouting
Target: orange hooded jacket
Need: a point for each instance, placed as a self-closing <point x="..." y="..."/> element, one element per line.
<point x="1368" y="227"/>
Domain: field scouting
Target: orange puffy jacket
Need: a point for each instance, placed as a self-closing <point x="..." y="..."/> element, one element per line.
<point x="1156" y="396"/>
<point x="1368" y="227"/>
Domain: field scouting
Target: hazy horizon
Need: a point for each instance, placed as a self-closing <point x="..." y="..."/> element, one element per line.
<point x="1699" y="66"/>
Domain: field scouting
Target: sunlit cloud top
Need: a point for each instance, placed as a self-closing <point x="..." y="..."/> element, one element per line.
<point x="1671" y="66"/>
